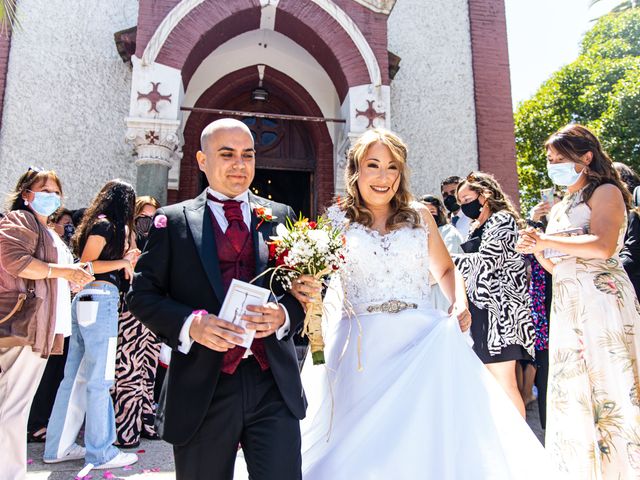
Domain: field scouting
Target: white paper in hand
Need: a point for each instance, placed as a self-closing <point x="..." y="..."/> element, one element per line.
<point x="239" y="296"/>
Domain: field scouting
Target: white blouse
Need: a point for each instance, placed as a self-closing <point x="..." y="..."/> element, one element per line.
<point x="63" y="302"/>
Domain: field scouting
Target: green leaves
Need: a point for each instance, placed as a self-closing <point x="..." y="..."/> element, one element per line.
<point x="600" y="89"/>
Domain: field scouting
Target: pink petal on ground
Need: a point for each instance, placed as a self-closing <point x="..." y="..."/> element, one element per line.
<point x="108" y="474"/>
<point x="141" y="451"/>
<point x="29" y="461"/>
<point x="155" y="469"/>
<point x="127" y="467"/>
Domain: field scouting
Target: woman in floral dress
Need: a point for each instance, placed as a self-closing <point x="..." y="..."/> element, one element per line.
<point x="593" y="418"/>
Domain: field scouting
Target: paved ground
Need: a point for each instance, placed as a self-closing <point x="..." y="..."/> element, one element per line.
<point x="156" y="461"/>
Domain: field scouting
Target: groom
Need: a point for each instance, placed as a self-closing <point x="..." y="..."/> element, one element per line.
<point x="219" y="395"/>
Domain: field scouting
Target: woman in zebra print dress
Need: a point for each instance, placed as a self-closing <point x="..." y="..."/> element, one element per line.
<point x="137" y="356"/>
<point x="496" y="278"/>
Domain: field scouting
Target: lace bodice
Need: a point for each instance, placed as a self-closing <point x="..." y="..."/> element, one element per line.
<point x="383" y="267"/>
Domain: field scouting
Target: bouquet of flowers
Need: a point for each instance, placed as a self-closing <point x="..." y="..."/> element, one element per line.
<point x="308" y="248"/>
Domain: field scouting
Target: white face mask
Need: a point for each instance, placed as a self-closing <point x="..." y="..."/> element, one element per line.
<point x="563" y="173"/>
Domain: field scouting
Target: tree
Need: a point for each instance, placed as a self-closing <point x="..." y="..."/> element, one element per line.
<point x="8" y="18"/>
<point x="621" y="5"/>
<point x="600" y="89"/>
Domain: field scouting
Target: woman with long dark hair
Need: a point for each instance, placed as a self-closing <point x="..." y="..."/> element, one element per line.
<point x="593" y="406"/>
<point x="102" y="241"/>
<point x="31" y="256"/>
<point x="137" y="358"/>
<point x="496" y="277"/>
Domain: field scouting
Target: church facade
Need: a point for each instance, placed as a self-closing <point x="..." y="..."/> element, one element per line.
<point x="98" y="90"/>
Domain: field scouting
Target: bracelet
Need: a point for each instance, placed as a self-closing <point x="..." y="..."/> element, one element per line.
<point x="49" y="272"/>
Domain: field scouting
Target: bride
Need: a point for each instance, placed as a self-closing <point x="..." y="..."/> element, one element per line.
<point x="402" y="396"/>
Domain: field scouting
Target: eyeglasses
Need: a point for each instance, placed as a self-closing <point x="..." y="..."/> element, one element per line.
<point x="35" y="169"/>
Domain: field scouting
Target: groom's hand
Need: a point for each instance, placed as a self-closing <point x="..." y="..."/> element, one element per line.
<point x="265" y="319"/>
<point x="215" y="333"/>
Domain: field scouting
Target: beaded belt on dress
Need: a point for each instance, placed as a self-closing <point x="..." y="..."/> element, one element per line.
<point x="391" y="306"/>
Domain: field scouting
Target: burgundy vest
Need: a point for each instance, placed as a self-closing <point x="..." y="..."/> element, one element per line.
<point x="240" y="265"/>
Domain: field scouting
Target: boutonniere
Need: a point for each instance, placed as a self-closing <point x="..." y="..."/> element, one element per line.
<point x="264" y="214"/>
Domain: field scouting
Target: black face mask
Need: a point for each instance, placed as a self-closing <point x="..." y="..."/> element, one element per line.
<point x="69" y="230"/>
<point x="451" y="204"/>
<point x="143" y="225"/>
<point x="472" y="209"/>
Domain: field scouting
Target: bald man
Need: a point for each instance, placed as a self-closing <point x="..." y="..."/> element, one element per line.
<point x="218" y="395"/>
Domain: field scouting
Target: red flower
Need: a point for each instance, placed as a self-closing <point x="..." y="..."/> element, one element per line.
<point x="259" y="211"/>
<point x="313" y="225"/>
<point x="280" y="259"/>
<point x="272" y="250"/>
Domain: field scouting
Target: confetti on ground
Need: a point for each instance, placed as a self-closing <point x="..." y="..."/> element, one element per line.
<point x="141" y="451"/>
<point x="29" y="461"/>
<point x="108" y="474"/>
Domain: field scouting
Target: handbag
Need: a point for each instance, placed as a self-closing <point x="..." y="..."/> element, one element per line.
<point x="17" y="317"/>
<point x="18" y="311"/>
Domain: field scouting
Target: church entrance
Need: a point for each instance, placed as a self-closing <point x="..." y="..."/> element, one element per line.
<point x="288" y="187"/>
<point x="285" y="156"/>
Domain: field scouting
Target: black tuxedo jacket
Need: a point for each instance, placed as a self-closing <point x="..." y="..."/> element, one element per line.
<point x="178" y="273"/>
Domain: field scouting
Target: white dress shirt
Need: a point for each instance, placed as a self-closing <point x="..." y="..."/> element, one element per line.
<point x="462" y="224"/>
<point x="218" y="212"/>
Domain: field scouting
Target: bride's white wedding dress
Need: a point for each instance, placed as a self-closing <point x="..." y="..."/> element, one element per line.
<point x="422" y="406"/>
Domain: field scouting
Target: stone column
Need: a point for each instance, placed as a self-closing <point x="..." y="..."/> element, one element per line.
<point x="154" y="127"/>
<point x="158" y="150"/>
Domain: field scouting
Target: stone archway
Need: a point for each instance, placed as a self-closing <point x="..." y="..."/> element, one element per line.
<point x="192" y="29"/>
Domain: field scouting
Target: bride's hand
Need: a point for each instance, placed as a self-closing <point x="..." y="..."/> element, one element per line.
<point x="305" y="288"/>
<point x="462" y="313"/>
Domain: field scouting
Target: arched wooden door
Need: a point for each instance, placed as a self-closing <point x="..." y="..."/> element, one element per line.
<point x="285" y="157"/>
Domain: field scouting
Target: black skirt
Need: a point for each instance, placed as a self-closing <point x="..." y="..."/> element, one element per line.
<point x="479" y="333"/>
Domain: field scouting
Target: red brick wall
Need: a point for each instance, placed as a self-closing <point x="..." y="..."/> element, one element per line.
<point x="5" y="47"/>
<point x="150" y="14"/>
<point x="242" y="81"/>
<point x="492" y="87"/>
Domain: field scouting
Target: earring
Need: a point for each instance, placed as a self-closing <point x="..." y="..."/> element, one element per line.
<point x="26" y="202"/>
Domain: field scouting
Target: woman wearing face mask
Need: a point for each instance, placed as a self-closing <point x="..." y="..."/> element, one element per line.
<point x="60" y="221"/>
<point x="496" y="278"/>
<point x="137" y="357"/>
<point x="593" y="406"/>
<point x="101" y="241"/>
<point x="29" y="251"/>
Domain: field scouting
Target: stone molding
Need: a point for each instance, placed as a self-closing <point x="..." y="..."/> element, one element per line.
<point x="156" y="142"/>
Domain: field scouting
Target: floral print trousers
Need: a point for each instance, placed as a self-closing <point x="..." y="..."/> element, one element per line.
<point x="593" y="424"/>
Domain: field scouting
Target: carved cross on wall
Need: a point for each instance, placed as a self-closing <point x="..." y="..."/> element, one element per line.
<point x="151" y="136"/>
<point x="370" y="113"/>
<point x="154" y="97"/>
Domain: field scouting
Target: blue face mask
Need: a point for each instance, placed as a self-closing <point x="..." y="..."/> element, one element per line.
<point x="563" y="173"/>
<point x="45" y="203"/>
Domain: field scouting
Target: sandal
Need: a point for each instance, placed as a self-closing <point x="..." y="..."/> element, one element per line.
<point x="39" y="436"/>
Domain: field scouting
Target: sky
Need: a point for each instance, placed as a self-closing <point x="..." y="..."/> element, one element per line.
<point x="543" y="36"/>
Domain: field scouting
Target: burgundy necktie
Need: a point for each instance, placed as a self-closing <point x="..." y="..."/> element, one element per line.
<point x="237" y="233"/>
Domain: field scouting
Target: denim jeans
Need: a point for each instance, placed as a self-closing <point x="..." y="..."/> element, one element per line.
<point x="88" y="376"/>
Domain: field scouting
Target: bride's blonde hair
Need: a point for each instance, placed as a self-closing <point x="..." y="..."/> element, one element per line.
<point x="402" y="214"/>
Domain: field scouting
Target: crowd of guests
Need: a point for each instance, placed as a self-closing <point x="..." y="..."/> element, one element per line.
<point x="553" y="300"/>
<point x="85" y="359"/>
